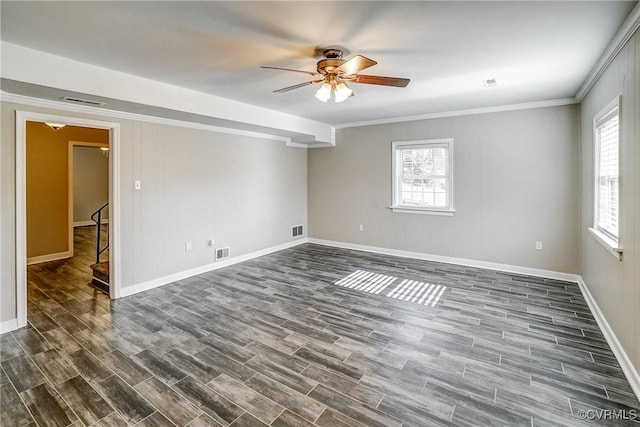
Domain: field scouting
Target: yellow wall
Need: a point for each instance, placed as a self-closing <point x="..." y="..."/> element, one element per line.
<point x="48" y="185"/>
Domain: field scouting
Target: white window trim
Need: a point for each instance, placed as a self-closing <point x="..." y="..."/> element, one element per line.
<point x="607" y="242"/>
<point x="611" y="245"/>
<point x="422" y="210"/>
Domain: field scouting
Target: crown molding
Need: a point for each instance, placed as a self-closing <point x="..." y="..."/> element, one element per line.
<point x="115" y="114"/>
<point x="626" y="31"/>
<point x="456" y="113"/>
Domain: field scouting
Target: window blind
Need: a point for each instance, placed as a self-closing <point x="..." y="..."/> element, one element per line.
<point x="608" y="173"/>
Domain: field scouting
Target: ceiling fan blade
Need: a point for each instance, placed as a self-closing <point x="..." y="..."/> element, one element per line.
<point x="311" y="73"/>
<point x="287" y="89"/>
<point x="381" y="80"/>
<point x="355" y="64"/>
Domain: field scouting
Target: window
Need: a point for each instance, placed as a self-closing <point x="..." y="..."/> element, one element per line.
<point x="422" y="176"/>
<point x="607" y="176"/>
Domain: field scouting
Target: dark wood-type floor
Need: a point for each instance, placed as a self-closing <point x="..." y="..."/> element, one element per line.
<point x="312" y="336"/>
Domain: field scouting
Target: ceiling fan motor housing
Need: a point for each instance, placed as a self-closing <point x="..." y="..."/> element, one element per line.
<point x="333" y="59"/>
<point x="326" y="66"/>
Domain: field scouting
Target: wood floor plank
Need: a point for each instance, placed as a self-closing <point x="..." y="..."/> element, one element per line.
<point x="191" y="365"/>
<point x="353" y="408"/>
<point x="155" y="420"/>
<point x="280" y="373"/>
<point x="204" y="421"/>
<point x="112" y="420"/>
<point x="331" y="418"/>
<point x="13" y="413"/>
<point x="125" y="400"/>
<point x="247" y="420"/>
<point x="89" y="366"/>
<point x="225" y="364"/>
<point x="23" y="373"/>
<point x="128" y="369"/>
<point x="31" y="340"/>
<point x="62" y="341"/>
<point x="172" y="405"/>
<point x="289" y="419"/>
<point x="160" y="367"/>
<point x="351" y="388"/>
<point x="248" y="399"/>
<point x="287" y="397"/>
<point x="9" y="347"/>
<point x="47" y="407"/>
<point x="84" y="400"/>
<point x="56" y="368"/>
<point x="216" y="406"/>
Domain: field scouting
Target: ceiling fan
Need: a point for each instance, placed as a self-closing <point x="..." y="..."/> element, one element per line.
<point x="335" y="72"/>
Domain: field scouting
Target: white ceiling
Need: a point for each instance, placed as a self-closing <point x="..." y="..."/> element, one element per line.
<point x="538" y="50"/>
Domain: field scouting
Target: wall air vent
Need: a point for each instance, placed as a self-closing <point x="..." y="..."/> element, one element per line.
<point x="488" y="83"/>
<point x="222" y="253"/>
<point x="83" y="101"/>
<point x="297" y="231"/>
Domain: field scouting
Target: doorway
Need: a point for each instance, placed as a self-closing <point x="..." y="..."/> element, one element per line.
<point x="88" y="223"/>
<point x="113" y="129"/>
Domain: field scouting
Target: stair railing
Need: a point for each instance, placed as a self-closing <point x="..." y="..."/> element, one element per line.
<point x="97" y="218"/>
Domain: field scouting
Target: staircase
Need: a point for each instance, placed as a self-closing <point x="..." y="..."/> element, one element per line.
<point x="100" y="279"/>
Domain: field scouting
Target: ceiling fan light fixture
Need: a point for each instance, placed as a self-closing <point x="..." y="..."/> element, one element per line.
<point x="342" y="92"/>
<point x="324" y="93"/>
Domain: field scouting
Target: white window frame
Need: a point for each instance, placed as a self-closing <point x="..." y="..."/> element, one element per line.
<point x="396" y="207"/>
<point x="608" y="241"/>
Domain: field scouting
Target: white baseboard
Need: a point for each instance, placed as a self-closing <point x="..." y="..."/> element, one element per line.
<point x="8" y="325"/>
<point x="550" y="274"/>
<point x="49" y="257"/>
<point x="86" y="223"/>
<point x="151" y="284"/>
<point x="623" y="359"/>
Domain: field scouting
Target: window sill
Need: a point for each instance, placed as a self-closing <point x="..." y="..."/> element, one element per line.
<point x="609" y="244"/>
<point x="422" y="211"/>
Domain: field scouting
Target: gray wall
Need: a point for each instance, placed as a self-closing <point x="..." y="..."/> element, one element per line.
<point x="615" y="285"/>
<point x="90" y="182"/>
<point x="7" y="216"/>
<point x="245" y="193"/>
<point x="515" y="177"/>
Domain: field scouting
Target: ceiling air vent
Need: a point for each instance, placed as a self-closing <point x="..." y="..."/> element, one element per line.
<point x="297" y="231"/>
<point x="83" y="101"/>
<point x="222" y="253"/>
<point x="490" y="82"/>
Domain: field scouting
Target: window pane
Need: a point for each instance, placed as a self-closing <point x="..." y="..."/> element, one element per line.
<point x="607" y="183"/>
<point x="422" y="175"/>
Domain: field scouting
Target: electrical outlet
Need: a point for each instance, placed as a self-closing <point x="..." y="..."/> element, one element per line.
<point x="211" y="242"/>
<point x="137" y="185"/>
<point x="361" y="227"/>
<point x="188" y="247"/>
<point x="538" y="246"/>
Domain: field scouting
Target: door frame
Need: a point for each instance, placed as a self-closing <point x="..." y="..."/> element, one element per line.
<point x="21" y="201"/>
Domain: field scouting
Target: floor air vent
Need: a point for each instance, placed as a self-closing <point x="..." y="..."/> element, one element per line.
<point x="83" y="101"/>
<point x="297" y="231"/>
<point x="222" y="253"/>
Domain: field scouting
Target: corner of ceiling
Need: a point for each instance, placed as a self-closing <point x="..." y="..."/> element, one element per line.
<point x="626" y="31"/>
